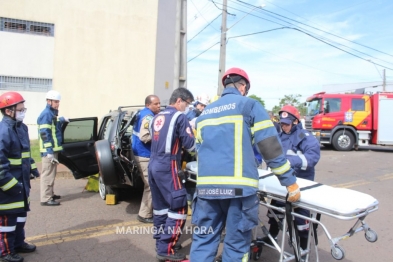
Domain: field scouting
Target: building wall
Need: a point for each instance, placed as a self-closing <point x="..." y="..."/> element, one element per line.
<point x="104" y="53"/>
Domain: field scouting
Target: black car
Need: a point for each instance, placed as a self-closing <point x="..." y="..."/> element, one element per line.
<point x="106" y="150"/>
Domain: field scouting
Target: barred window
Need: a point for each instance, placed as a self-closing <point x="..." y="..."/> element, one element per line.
<point x="25" y="84"/>
<point x="26" y="27"/>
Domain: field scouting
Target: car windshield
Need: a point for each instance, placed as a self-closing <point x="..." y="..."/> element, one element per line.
<point x="313" y="107"/>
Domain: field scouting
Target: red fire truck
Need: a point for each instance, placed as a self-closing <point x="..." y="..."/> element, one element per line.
<point x="344" y="121"/>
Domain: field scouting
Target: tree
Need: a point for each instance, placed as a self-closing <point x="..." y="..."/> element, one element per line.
<point x="258" y="99"/>
<point x="290" y="100"/>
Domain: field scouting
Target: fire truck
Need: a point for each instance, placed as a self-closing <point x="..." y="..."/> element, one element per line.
<point x="346" y="121"/>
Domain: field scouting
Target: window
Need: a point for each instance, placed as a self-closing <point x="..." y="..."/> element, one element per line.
<point x="15" y="83"/>
<point x="358" y="104"/>
<point x="79" y="131"/>
<point x="26" y="27"/>
<point x="332" y="105"/>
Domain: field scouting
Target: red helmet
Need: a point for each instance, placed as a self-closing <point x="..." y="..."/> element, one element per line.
<point x="290" y="110"/>
<point x="10" y="99"/>
<point x="235" y="71"/>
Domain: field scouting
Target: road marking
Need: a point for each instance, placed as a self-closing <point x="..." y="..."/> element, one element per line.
<point x="353" y="183"/>
<point x="386" y="177"/>
<point x="71" y="235"/>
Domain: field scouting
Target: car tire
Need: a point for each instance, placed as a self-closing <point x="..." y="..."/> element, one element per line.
<point x="343" y="140"/>
<point x="102" y="188"/>
<point x="105" y="163"/>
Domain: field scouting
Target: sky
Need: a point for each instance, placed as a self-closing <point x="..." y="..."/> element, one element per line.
<point x="313" y="46"/>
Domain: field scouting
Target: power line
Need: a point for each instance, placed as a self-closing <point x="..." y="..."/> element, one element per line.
<point x="202" y="52"/>
<point x="204" y="28"/>
<point x="320" y="37"/>
<point x="202" y="15"/>
<point x="264" y="10"/>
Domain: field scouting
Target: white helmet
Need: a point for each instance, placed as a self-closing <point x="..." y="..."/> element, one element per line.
<point x="203" y="99"/>
<point x="53" y="95"/>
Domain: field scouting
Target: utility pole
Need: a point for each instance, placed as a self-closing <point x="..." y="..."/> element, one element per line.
<point x="223" y="47"/>
<point x="384" y="81"/>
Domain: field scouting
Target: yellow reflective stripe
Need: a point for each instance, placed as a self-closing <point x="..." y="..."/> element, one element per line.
<point x="58" y="148"/>
<point x="237" y="120"/>
<point x="10" y="184"/>
<point x="261" y="125"/>
<point x="25" y="154"/>
<point x="44" y="126"/>
<point x="282" y="169"/>
<point x="14" y="205"/>
<point x="49" y="144"/>
<point x="33" y="166"/>
<point x="15" y="161"/>
<point x="227" y="180"/>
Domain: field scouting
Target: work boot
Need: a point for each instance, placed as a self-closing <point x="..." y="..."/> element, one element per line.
<point x="13" y="257"/>
<point x="25" y="248"/>
<point x="177" y="247"/>
<point x="171" y="257"/>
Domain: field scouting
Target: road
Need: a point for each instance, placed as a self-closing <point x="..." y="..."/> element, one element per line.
<point x="83" y="228"/>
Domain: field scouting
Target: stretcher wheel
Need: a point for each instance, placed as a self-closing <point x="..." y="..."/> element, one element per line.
<point x="256" y="254"/>
<point x="337" y="252"/>
<point x="371" y="235"/>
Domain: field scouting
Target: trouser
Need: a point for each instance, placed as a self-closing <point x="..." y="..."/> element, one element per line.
<point x="47" y="178"/>
<point x="169" y="209"/>
<point x="238" y="215"/>
<point x="302" y="224"/>
<point x="12" y="232"/>
<point x="146" y="209"/>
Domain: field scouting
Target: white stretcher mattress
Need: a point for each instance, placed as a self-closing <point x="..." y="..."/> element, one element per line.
<point x="341" y="201"/>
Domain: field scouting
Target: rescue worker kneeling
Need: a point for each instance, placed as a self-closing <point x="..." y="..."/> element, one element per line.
<point x="16" y="166"/>
<point x="228" y="178"/>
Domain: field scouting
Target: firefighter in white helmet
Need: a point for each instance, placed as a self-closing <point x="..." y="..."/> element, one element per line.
<point x="201" y="102"/>
<point x="50" y="141"/>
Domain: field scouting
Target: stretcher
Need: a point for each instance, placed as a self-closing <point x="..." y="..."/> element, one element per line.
<point x="319" y="199"/>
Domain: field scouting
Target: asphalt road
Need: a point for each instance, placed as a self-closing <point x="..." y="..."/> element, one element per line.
<point x="84" y="228"/>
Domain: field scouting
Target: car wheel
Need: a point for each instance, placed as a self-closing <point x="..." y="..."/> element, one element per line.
<point x="102" y="188"/>
<point x="343" y="140"/>
<point x="105" y="163"/>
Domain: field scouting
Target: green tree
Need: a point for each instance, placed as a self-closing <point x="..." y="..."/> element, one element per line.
<point x="290" y="100"/>
<point x="258" y="99"/>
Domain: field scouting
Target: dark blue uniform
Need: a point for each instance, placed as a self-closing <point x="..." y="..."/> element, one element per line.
<point x="170" y="132"/>
<point x="16" y="165"/>
<point x="303" y="152"/>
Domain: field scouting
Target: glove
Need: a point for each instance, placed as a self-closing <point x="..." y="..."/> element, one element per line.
<point x="293" y="192"/>
<point x="52" y="159"/>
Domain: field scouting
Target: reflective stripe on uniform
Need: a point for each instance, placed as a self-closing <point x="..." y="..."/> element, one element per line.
<point x="177" y="216"/>
<point x="15" y="161"/>
<point x="21" y="219"/>
<point x="25" y="154"/>
<point x="14" y="205"/>
<point x="282" y="169"/>
<point x="303" y="227"/>
<point x="227" y="180"/>
<point x="7" y="229"/>
<point x="160" y="212"/>
<point x="44" y="126"/>
<point x="10" y="184"/>
<point x="33" y="166"/>
<point x="168" y="143"/>
<point x="237" y="121"/>
<point x="261" y="125"/>
<point x="302" y="157"/>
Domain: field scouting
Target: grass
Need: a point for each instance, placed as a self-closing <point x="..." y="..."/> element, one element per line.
<point x="35" y="150"/>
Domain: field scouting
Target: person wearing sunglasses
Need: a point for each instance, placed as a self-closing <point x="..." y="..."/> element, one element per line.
<point x="16" y="167"/>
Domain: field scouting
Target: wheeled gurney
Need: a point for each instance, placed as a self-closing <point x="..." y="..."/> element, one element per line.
<point x="339" y="203"/>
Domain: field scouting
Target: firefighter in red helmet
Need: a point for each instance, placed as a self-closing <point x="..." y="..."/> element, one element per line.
<point x="226" y="192"/>
<point x="303" y="152"/>
<point x="16" y="167"/>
